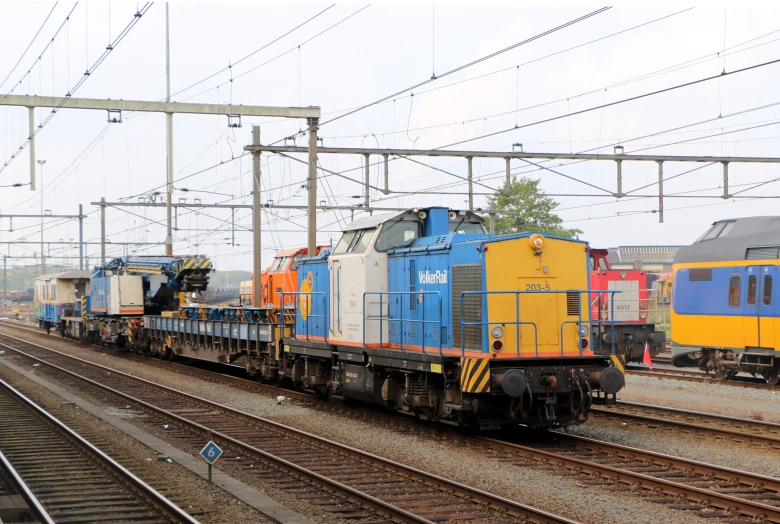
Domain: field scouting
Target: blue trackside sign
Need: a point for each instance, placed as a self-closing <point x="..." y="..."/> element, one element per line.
<point x="211" y="452"/>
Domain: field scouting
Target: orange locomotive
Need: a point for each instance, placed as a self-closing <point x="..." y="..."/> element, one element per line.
<point x="282" y="276"/>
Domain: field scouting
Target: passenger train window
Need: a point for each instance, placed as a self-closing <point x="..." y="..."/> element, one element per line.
<point x="767" y="290"/>
<point x="398" y="234"/>
<point x="700" y="274"/>
<point x="751" y="293"/>
<point x="734" y="289"/>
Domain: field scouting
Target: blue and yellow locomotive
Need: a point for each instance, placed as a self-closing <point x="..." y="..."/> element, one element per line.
<point x="425" y="313"/>
<point x="723" y="316"/>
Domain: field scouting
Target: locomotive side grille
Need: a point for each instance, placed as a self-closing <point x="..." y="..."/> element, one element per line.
<point x="761" y="253"/>
<point x="466" y="277"/>
<point x="573" y="304"/>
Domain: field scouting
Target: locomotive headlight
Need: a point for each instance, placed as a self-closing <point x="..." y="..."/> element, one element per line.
<point x="536" y="241"/>
<point x="497" y="332"/>
<point x="584" y="330"/>
<point x="643" y="315"/>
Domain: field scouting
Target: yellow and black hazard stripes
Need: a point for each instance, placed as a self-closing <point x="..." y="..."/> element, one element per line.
<point x="475" y="375"/>
<point x="196" y="263"/>
<point x="619" y="363"/>
<point x="84" y="306"/>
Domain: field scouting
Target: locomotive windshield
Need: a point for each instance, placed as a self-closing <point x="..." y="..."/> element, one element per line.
<point x="355" y="241"/>
<point x="461" y="227"/>
<point x="398" y="234"/>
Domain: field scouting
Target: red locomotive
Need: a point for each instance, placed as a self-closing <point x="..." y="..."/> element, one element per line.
<point x="630" y="310"/>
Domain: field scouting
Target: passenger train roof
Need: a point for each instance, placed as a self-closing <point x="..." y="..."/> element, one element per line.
<point x="66" y="275"/>
<point x="750" y="238"/>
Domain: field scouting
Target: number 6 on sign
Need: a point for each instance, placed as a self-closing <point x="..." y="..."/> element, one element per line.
<point x="211" y="452"/>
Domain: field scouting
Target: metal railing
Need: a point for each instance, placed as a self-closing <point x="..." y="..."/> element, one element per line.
<point x="422" y="321"/>
<point x="296" y="306"/>
<point x="517" y="322"/>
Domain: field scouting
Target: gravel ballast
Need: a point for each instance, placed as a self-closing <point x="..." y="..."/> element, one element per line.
<point x="442" y="453"/>
<point x="188" y="490"/>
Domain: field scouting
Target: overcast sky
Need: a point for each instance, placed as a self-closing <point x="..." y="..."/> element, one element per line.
<point x="380" y="50"/>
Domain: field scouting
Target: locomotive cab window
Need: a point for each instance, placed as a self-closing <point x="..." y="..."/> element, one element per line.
<point x="398" y="234"/>
<point x="296" y="259"/>
<point x="278" y="264"/>
<point x="461" y="227"/>
<point x="767" y="290"/>
<point x="718" y="230"/>
<point x="355" y="241"/>
<point x="734" y="290"/>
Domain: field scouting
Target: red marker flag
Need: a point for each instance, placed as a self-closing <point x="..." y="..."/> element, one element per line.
<point x="646" y="358"/>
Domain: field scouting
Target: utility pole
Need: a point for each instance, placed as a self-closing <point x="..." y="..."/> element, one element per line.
<point x="169" y="139"/>
<point x="103" y="229"/>
<point x="312" y="185"/>
<point x="31" y="126"/>
<point x="5" y="283"/>
<point x="43" y="256"/>
<point x="81" y="238"/>
<point x="256" y="224"/>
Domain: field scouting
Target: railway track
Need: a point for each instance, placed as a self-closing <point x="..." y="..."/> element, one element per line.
<point x="707" y="489"/>
<point x="19" y="502"/>
<point x="710" y="491"/>
<point x="73" y="480"/>
<point x="705" y="424"/>
<point x="337" y="479"/>
<point x="688" y="375"/>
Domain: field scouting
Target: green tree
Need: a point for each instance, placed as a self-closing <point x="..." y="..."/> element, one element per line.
<point x="526" y="208"/>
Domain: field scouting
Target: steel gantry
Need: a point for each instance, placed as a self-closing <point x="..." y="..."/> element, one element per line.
<point x="527" y="157"/>
<point x="115" y="108"/>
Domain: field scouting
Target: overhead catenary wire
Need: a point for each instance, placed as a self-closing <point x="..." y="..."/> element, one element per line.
<point x="138" y="15"/>
<point x="34" y="38"/>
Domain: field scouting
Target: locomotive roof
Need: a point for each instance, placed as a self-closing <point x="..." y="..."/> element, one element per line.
<point x="66" y="275"/>
<point x="741" y="241"/>
<point x="377" y="220"/>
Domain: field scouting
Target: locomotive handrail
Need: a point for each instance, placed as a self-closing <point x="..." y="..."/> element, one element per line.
<point x="402" y="320"/>
<point x="518" y="323"/>
<point x="295" y="314"/>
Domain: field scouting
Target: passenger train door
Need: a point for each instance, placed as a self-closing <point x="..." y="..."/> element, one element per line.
<point x="759" y="310"/>
<point x="749" y="310"/>
<point x="766" y="307"/>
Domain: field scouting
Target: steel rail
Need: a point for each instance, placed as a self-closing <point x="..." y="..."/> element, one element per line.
<point x="29" y="497"/>
<point x="700" y="377"/>
<point x="159" y="501"/>
<point x="735" y="434"/>
<point x="739" y="435"/>
<point x="469" y="493"/>
<point x="636" y="480"/>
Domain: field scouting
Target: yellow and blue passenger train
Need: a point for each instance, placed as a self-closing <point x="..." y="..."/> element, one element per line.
<point x="724" y="316"/>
